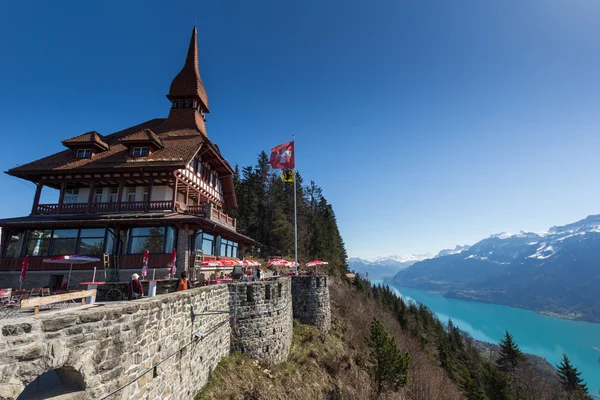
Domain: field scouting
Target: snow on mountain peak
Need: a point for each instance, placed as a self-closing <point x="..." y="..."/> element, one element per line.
<point x="402" y="259"/>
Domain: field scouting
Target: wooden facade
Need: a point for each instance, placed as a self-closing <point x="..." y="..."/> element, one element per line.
<point x="164" y="176"/>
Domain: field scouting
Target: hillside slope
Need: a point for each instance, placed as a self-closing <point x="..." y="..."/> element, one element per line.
<point x="333" y="365"/>
<point x="444" y="363"/>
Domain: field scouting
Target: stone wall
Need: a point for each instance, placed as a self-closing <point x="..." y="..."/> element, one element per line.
<point x="159" y="347"/>
<point x="149" y="342"/>
<point x="262" y="319"/>
<point x="310" y="298"/>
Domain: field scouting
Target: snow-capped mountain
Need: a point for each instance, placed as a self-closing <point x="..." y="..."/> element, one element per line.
<point x="557" y="270"/>
<point x="458" y="249"/>
<point x="380" y="267"/>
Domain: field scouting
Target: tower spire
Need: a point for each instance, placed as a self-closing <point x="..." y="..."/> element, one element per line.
<point x="189" y="101"/>
<point x="188" y="82"/>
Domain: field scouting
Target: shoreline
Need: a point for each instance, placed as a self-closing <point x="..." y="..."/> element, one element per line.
<point x="449" y="295"/>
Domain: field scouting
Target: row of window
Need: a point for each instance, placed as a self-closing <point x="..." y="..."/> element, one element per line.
<point x="72" y="195"/>
<point x="204" y="171"/>
<point x="189" y="104"/>
<point x="96" y="241"/>
<point x="136" y="152"/>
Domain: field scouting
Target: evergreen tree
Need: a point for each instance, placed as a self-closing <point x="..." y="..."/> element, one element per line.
<point x="510" y="355"/>
<point x="496" y="383"/>
<point x="390" y="366"/>
<point x="570" y="378"/>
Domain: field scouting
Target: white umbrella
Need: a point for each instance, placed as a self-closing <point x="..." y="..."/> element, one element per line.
<point x="71" y="259"/>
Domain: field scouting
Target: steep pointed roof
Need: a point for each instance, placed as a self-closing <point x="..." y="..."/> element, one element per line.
<point x="188" y="83"/>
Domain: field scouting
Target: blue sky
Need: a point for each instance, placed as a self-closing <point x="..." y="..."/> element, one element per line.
<point x="427" y="123"/>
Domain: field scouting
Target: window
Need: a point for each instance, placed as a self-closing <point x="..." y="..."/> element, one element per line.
<point x="71" y="196"/>
<point x="156" y="239"/>
<point x="98" y="195"/>
<point x="228" y="248"/>
<point x="131" y="193"/>
<point x="64" y="241"/>
<point x="145" y="194"/>
<point x="38" y="242"/>
<point x="88" y="241"/>
<point x="13" y="242"/>
<point x="84" y="153"/>
<point x="140" y="151"/>
<point x="208" y="244"/>
<point x="114" y="193"/>
<point x="91" y="241"/>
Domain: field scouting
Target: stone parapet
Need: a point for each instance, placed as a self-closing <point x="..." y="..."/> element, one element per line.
<point x="148" y="344"/>
<point x="310" y="299"/>
<point x="261" y="315"/>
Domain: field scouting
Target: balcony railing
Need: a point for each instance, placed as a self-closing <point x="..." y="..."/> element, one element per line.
<point x="219" y="215"/>
<point x="135" y="206"/>
<point x="82" y="208"/>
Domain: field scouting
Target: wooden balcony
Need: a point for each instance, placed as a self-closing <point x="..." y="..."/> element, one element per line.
<point x="82" y="208"/>
<point x="220" y="216"/>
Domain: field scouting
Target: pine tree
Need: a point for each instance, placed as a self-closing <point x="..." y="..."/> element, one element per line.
<point x="510" y="355"/>
<point x="390" y="366"/>
<point x="570" y="378"/>
<point x="496" y="382"/>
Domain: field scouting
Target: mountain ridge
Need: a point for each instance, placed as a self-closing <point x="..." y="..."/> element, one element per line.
<point x="554" y="272"/>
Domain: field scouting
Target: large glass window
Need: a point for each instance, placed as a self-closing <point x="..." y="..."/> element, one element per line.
<point x="155" y="239"/>
<point x="64" y="241"/>
<point x="208" y="244"/>
<point x="13" y="244"/>
<point x="91" y="241"/>
<point x="38" y="242"/>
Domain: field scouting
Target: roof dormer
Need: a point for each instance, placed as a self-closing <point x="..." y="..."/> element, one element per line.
<point x="142" y="143"/>
<point x="86" y="145"/>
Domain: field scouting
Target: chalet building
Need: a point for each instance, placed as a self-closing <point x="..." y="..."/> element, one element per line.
<point x="156" y="186"/>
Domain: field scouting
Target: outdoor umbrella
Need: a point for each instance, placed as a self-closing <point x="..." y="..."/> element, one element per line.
<point x="24" y="267"/>
<point x="314" y="263"/>
<point x="71" y="259"/>
<point x="173" y="269"/>
<point x="278" y="262"/>
<point x="211" y="263"/>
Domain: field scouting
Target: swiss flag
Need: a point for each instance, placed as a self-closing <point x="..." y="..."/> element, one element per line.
<point x="282" y="156"/>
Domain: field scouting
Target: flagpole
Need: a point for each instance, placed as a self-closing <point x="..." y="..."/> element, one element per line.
<point x="295" y="215"/>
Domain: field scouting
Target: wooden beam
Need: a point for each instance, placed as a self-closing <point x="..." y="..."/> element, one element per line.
<point x="120" y="194"/>
<point x="175" y="193"/>
<point x="45" y="300"/>
<point x="90" y="197"/>
<point x="150" y="185"/>
<point x="36" y="198"/>
<point x="61" y="196"/>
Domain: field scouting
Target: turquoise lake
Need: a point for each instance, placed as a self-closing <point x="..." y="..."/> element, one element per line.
<point x="544" y="336"/>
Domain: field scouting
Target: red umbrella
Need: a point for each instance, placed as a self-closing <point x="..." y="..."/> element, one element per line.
<point x="145" y="263"/>
<point x="71" y="259"/>
<point x="277" y="262"/>
<point x="211" y="263"/>
<point x="173" y="269"/>
<point x="316" y="262"/>
<point x="24" y="267"/>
